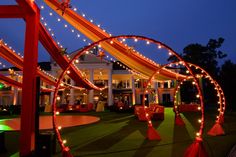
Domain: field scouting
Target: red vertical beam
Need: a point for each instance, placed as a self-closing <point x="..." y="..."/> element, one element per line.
<point x="27" y="136"/>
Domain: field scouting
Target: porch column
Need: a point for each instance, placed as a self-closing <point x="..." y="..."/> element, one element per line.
<point x="133" y="91"/>
<point x="156" y="92"/>
<point x="72" y="93"/>
<point x="51" y="96"/>
<point x="110" y="98"/>
<point x="15" y="93"/>
<point x="91" y="92"/>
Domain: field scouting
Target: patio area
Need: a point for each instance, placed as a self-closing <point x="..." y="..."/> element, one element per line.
<point x="121" y="134"/>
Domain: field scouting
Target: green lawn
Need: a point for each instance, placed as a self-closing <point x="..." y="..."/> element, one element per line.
<point x="121" y="134"/>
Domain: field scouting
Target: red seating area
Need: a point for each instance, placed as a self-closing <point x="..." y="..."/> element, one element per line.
<point x="79" y="108"/>
<point x="188" y="107"/>
<point x="155" y="111"/>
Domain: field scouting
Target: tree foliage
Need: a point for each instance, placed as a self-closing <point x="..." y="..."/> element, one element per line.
<point x="206" y="56"/>
<point x="227" y="80"/>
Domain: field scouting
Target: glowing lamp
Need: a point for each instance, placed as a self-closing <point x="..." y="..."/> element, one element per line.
<point x="76" y="61"/>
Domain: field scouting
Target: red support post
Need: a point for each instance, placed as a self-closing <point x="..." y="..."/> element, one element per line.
<point x="27" y="136"/>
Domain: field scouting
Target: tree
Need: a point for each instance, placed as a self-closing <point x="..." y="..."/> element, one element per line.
<point x="206" y="56"/>
<point x="227" y="81"/>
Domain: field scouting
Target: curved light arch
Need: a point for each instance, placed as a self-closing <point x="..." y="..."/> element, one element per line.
<point x="109" y="39"/>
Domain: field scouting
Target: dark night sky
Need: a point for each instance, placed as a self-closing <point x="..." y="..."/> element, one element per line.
<point x="176" y="23"/>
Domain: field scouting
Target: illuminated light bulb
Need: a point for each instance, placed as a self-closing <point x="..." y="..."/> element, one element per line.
<point x="218" y="109"/>
<point x="66" y="25"/>
<point x="75" y="9"/>
<point x="72" y="31"/>
<point x="87" y="52"/>
<point x="147" y="114"/>
<point x="64" y="141"/>
<point x="78" y="35"/>
<point x="58" y="98"/>
<point x="197" y="95"/>
<point x="42" y="7"/>
<point x="197" y="134"/>
<point x="58" y="19"/>
<point x="149" y="122"/>
<point x="199" y="120"/>
<point x="99" y="25"/>
<point x="123" y="40"/>
<point x="62" y="84"/>
<point x="193" y="82"/>
<point x="57" y="113"/>
<point x="49" y="29"/>
<point x="170" y="53"/>
<point x="159" y="46"/>
<point x="99" y="46"/>
<point x="187" y="71"/>
<point x="45" y="24"/>
<point x="83" y="15"/>
<point x="111" y="42"/>
<point x="136" y="40"/>
<point x="148" y="42"/>
<point x="59" y="127"/>
<point x="91" y="20"/>
<point x="68" y="72"/>
<point x="110" y="34"/>
<point x="52" y="34"/>
<point x="104" y="30"/>
<point x="76" y="61"/>
<point x="50" y="13"/>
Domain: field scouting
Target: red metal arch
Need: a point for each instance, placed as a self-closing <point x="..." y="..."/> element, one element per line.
<point x="65" y="149"/>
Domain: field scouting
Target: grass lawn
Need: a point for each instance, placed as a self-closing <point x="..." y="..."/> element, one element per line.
<point x="121" y="134"/>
